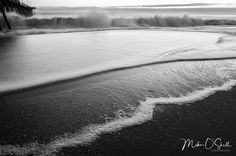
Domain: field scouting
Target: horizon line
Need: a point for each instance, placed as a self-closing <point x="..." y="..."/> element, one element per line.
<point x="145" y="5"/>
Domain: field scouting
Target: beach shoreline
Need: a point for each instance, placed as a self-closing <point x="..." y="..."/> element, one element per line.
<point x="169" y="123"/>
<point x="224" y="29"/>
<point x="214" y="117"/>
<point x="86" y="115"/>
<point x="127" y="80"/>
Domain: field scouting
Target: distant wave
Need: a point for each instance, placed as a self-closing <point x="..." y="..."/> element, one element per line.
<point x="102" y="20"/>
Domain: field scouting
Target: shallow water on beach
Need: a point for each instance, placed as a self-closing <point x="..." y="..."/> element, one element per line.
<point x="154" y="69"/>
<point x="27" y="61"/>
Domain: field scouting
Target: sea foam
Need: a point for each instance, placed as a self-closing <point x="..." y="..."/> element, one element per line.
<point x="95" y="19"/>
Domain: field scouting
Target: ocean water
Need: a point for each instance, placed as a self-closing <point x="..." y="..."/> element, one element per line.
<point x="64" y="19"/>
<point x="67" y="89"/>
<point x="207" y="11"/>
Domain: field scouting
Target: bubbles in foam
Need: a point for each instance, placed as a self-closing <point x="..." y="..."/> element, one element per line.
<point x="142" y="113"/>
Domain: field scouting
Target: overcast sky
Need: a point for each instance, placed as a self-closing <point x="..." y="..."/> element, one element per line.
<point x="117" y="2"/>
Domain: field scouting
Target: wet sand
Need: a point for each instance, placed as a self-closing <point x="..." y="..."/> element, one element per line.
<point x="213" y="117"/>
<point x="33" y="118"/>
<point x="41" y="118"/>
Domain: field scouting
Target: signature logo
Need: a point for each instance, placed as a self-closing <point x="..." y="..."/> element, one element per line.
<point x="214" y="145"/>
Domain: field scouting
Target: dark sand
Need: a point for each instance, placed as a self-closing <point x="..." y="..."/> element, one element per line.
<point x="39" y="114"/>
<point x="212" y="117"/>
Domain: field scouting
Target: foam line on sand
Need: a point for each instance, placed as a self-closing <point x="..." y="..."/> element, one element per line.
<point x="143" y="113"/>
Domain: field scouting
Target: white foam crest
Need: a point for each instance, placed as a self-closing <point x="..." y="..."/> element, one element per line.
<point x="195" y="96"/>
<point x="141" y="114"/>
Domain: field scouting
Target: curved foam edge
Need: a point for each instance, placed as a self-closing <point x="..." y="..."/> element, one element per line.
<point x="143" y="113"/>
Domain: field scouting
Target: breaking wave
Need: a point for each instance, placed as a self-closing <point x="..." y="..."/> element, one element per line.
<point x="102" y="20"/>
